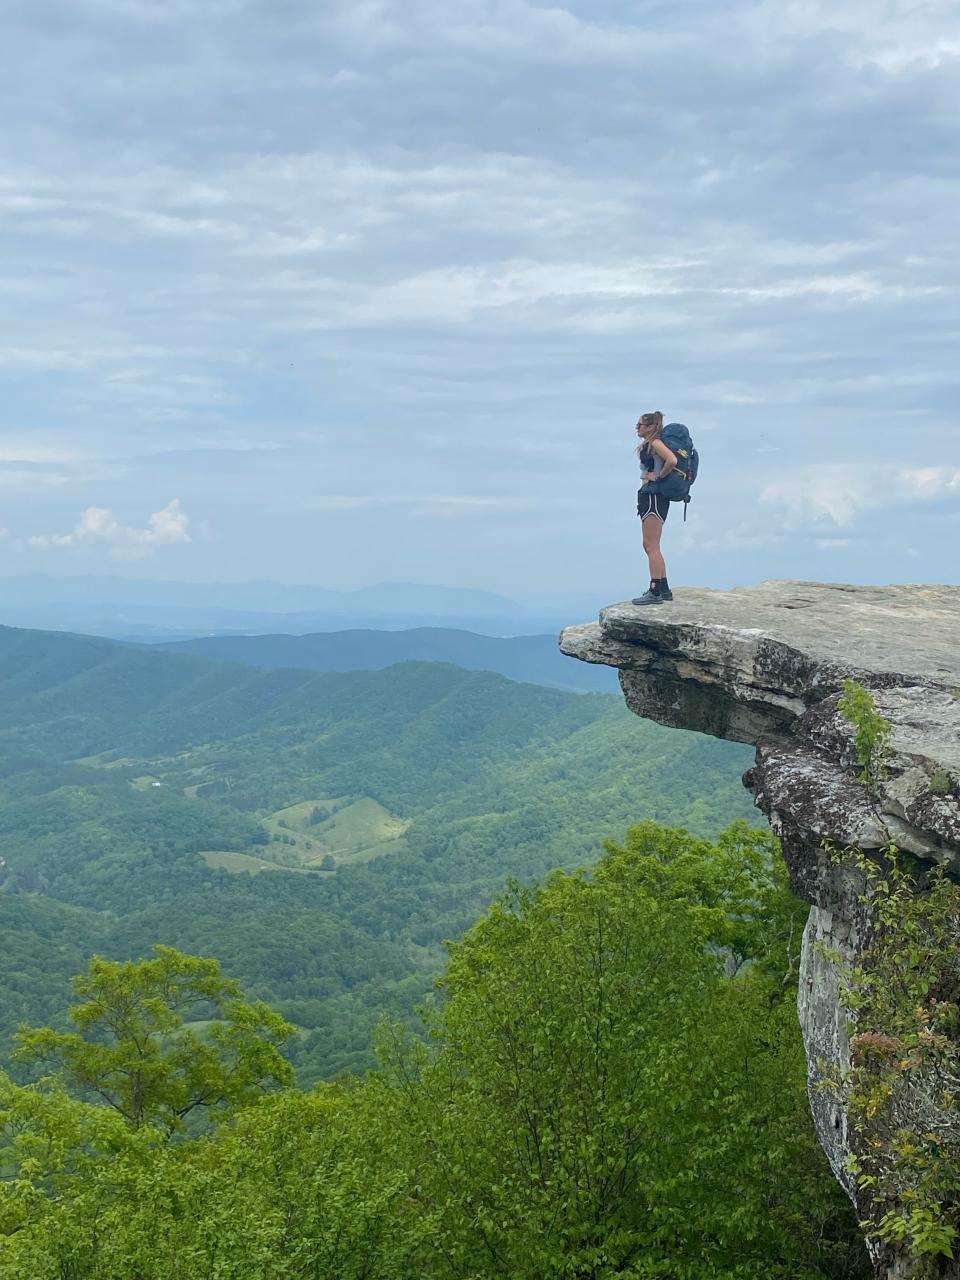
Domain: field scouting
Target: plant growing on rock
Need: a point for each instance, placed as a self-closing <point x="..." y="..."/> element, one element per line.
<point x="903" y="1085"/>
<point x="940" y="783"/>
<point x="904" y="1082"/>
<point x="871" y="732"/>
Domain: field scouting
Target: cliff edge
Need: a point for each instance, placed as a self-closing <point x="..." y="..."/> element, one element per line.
<point x="766" y="665"/>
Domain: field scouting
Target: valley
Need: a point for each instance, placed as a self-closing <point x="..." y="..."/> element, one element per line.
<point x="322" y="834"/>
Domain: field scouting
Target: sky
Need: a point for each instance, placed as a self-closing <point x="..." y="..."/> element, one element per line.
<point x="345" y="293"/>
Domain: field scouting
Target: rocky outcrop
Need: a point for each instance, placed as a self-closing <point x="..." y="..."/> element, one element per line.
<point x="766" y="665"/>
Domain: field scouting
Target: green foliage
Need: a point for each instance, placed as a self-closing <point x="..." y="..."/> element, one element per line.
<point x="50" y="1145"/>
<point x="737" y="885"/>
<point x="44" y="942"/>
<point x="297" y="1188"/>
<point x="605" y="1101"/>
<point x="133" y="1052"/>
<point x="871" y="731"/>
<point x="601" y="1098"/>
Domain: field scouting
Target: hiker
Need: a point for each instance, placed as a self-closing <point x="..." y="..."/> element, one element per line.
<point x="653" y="507"/>
<point x="669" y="463"/>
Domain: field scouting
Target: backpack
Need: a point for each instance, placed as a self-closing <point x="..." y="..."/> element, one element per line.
<point x="677" y="485"/>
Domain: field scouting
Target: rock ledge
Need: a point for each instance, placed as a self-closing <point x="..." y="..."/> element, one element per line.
<point x="765" y="665"/>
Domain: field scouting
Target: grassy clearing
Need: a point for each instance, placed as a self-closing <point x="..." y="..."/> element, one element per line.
<point x="298" y="817"/>
<point x="356" y="830"/>
<point x="358" y="825"/>
<point x="107" y="760"/>
<point x="240" y="863"/>
<point x="367" y="854"/>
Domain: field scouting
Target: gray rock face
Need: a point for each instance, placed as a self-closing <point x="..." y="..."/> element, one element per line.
<point x="766" y="665"/>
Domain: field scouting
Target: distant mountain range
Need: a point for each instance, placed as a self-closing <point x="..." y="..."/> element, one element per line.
<point x="535" y="659"/>
<point x="264" y="596"/>
<point x="125" y="608"/>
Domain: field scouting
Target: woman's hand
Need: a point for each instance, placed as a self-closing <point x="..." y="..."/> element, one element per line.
<point x="668" y="457"/>
<point x="649" y="476"/>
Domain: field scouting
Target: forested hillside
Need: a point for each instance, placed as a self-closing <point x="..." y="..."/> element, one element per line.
<point x="613" y="1088"/>
<point x="533" y="658"/>
<point x="322" y="835"/>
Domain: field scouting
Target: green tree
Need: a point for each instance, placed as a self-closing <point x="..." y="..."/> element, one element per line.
<point x="619" y="1087"/>
<point x="53" y="1149"/>
<point x="135" y="1052"/>
<point x="297" y="1187"/>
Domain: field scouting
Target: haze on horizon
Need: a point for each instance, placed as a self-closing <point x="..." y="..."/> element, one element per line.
<point x="367" y="292"/>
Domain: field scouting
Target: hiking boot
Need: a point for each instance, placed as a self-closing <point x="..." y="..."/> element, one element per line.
<point x="654" y="595"/>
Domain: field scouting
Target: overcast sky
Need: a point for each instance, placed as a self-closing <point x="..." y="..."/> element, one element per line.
<point x="375" y="290"/>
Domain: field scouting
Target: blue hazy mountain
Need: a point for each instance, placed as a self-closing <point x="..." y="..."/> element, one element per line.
<point x="144" y="609"/>
<point x="259" y="595"/>
<point x="535" y="659"/>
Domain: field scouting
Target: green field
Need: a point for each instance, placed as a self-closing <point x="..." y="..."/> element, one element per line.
<point x="243" y="863"/>
<point x="357" y="830"/>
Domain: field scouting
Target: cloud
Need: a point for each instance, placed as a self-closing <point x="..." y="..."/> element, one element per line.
<point x="98" y="526"/>
<point x="20" y="450"/>
<point x="27" y="478"/>
<point x="895" y="36"/>
<point x="444" y="251"/>
<point x="442" y="506"/>
<point x="342" y="502"/>
<point x="460" y="506"/>
<point x="839" y="492"/>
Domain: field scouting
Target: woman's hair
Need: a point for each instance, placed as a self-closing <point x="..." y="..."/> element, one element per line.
<point x="651" y="428"/>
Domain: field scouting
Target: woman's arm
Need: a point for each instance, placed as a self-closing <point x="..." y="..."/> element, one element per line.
<point x="668" y="456"/>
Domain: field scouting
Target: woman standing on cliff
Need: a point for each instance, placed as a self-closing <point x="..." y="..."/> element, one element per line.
<point x="653" y="506"/>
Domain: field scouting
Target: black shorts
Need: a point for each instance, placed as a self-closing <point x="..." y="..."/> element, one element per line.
<point x="653" y="504"/>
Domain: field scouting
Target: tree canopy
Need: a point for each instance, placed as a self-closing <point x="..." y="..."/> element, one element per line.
<point x="611" y="1087"/>
<point x="134" y="1052"/>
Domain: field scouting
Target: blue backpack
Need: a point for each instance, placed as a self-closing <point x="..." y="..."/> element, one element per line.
<point x="677" y="484"/>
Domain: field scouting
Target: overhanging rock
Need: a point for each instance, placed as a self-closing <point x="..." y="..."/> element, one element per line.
<point x="766" y="665"/>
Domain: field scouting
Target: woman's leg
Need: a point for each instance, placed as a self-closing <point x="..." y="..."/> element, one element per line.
<point x="652" y="530"/>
